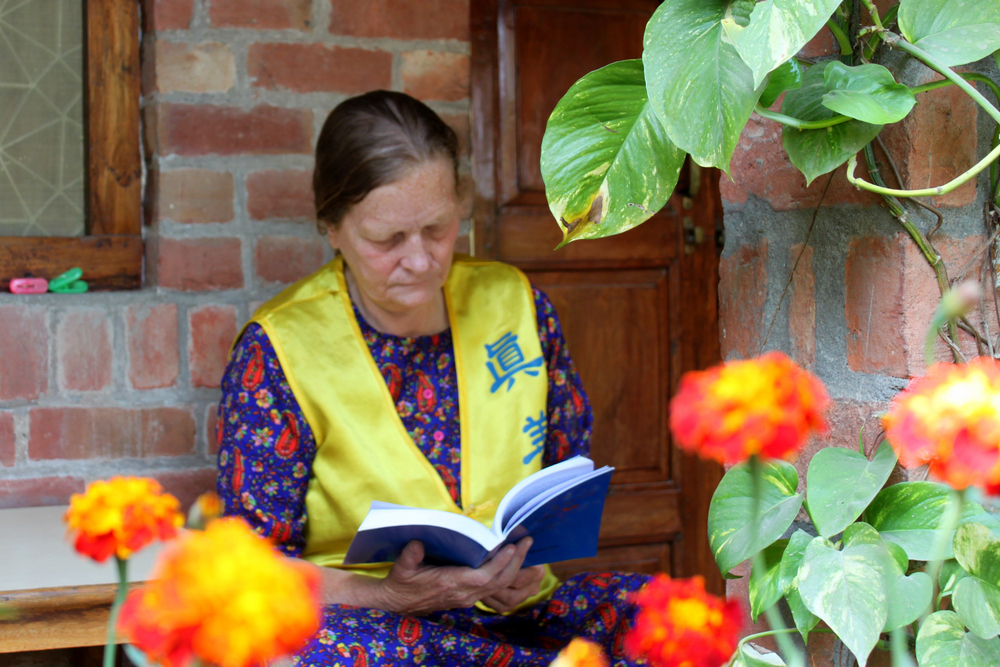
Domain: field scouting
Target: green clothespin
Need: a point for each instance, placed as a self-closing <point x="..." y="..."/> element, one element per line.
<point x="69" y="282"/>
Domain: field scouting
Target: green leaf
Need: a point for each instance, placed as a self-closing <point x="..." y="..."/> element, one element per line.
<point x="951" y="574"/>
<point x="606" y="160"/>
<point x="698" y="85"/>
<point x="977" y="603"/>
<point x="730" y="512"/>
<point x="804" y="619"/>
<point x="943" y="642"/>
<point x="977" y="550"/>
<point x="817" y="152"/>
<point x="909" y="597"/>
<point x="788" y="76"/>
<point x="748" y="656"/>
<point x="778" y="30"/>
<point x="899" y="556"/>
<point x="909" y="514"/>
<point x="954" y="32"/>
<point x="848" y="588"/>
<point x="866" y="92"/>
<point x="765" y="590"/>
<point x="841" y="483"/>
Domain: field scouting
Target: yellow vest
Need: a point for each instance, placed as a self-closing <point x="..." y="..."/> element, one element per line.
<point x="363" y="450"/>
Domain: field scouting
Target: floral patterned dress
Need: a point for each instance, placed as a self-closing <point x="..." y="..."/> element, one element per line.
<point x="259" y="417"/>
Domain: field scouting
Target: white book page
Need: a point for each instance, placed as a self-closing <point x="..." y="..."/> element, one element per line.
<point x="536" y="484"/>
<point x="542" y="498"/>
<point x="388" y="518"/>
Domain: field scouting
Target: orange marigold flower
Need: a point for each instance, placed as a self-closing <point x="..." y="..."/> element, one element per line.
<point x="120" y="516"/>
<point x="205" y="509"/>
<point x="766" y="406"/>
<point x="681" y="625"/>
<point x="950" y="419"/>
<point x="580" y="653"/>
<point x="223" y="597"/>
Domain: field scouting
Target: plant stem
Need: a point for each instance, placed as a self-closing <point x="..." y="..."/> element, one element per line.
<point x="898" y="42"/>
<point x="793" y="658"/>
<point x="111" y="646"/>
<point x="842" y="39"/>
<point x="900" y="650"/>
<point x="861" y="183"/>
<point x="947" y="525"/>
<point x="874" y="12"/>
<point x="968" y="76"/>
<point x="800" y="124"/>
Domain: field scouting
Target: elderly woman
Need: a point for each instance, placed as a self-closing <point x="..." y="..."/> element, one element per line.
<point x="405" y="373"/>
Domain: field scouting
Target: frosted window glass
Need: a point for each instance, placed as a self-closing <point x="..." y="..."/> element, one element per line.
<point x="41" y="118"/>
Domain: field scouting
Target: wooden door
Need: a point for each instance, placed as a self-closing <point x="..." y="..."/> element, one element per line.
<point x="637" y="309"/>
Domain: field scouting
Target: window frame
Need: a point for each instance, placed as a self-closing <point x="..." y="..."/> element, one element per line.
<point x="111" y="251"/>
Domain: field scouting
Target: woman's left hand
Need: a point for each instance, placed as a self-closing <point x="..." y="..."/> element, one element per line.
<point x="525" y="585"/>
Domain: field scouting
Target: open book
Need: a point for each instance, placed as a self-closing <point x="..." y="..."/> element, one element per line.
<point x="560" y="507"/>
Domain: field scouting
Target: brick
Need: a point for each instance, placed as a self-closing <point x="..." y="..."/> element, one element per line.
<point x="401" y="19"/>
<point x="742" y="293"/>
<point x="83" y="341"/>
<point x="874" y="306"/>
<point x="285" y="259"/>
<point x="160" y="15"/>
<point x="212" y="330"/>
<point x="89" y="433"/>
<point x="192" y="265"/>
<point x="761" y="167"/>
<point x="24" y="353"/>
<point x="306" y="68"/>
<point x="430" y="75"/>
<point x="280" y="194"/>
<point x="209" y="67"/>
<point x="212" y="428"/>
<point x="153" y="355"/>
<point x="460" y="123"/>
<point x="187" y="485"/>
<point x="261" y="14"/>
<point x="822" y="44"/>
<point x="936" y="142"/>
<point x="7" y="452"/>
<point x="192" y="195"/>
<point x="892" y="292"/>
<point x="206" y="129"/>
<point x="38" y="492"/>
<point x="802" y="306"/>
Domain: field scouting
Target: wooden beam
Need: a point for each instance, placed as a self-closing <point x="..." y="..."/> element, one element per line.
<point x="108" y="262"/>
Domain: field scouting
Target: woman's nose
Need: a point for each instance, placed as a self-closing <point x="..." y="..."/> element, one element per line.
<point x="416" y="259"/>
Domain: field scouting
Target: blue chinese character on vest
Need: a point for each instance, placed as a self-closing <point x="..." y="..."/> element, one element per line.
<point x="506" y="359"/>
<point x="535" y="428"/>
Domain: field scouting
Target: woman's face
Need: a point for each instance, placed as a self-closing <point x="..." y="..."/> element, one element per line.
<point x="399" y="239"/>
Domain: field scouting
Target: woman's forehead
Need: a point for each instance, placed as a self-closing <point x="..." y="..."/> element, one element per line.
<point x="424" y="196"/>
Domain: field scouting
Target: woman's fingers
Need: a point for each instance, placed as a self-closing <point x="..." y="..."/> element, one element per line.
<point x="411" y="557"/>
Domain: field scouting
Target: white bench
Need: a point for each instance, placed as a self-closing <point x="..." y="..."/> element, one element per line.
<point x="61" y="598"/>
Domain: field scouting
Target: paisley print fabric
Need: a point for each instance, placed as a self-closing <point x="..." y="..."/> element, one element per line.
<point x="266" y="449"/>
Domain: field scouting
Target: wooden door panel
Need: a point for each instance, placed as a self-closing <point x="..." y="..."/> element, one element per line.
<point x="525" y="236"/>
<point x="645" y="558"/>
<point x="559" y="40"/>
<point x="637" y="309"/>
<point x="615" y="326"/>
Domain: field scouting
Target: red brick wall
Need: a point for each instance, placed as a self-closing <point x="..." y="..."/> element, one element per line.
<point x="234" y="94"/>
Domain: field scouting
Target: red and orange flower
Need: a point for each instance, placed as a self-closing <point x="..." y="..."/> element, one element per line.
<point x="120" y="516"/>
<point x="950" y="419"/>
<point x="580" y="653"/>
<point x="222" y="597"/>
<point x="764" y="407"/>
<point x="679" y="624"/>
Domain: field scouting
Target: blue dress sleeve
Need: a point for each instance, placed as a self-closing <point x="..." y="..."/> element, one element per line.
<point x="266" y="447"/>
<point x="570" y="418"/>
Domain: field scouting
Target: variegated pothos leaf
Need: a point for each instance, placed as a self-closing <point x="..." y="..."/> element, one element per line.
<point x="943" y="642"/>
<point x="778" y="30"/>
<point x="698" y="85"/>
<point x="954" y="32"/>
<point x="607" y="162"/>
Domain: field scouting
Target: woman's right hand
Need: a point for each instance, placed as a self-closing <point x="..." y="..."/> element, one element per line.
<point x="414" y="588"/>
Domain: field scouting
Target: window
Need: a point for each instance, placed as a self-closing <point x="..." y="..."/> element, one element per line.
<point x="104" y="199"/>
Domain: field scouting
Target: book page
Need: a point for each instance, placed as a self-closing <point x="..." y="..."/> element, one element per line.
<point x="537" y="484"/>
